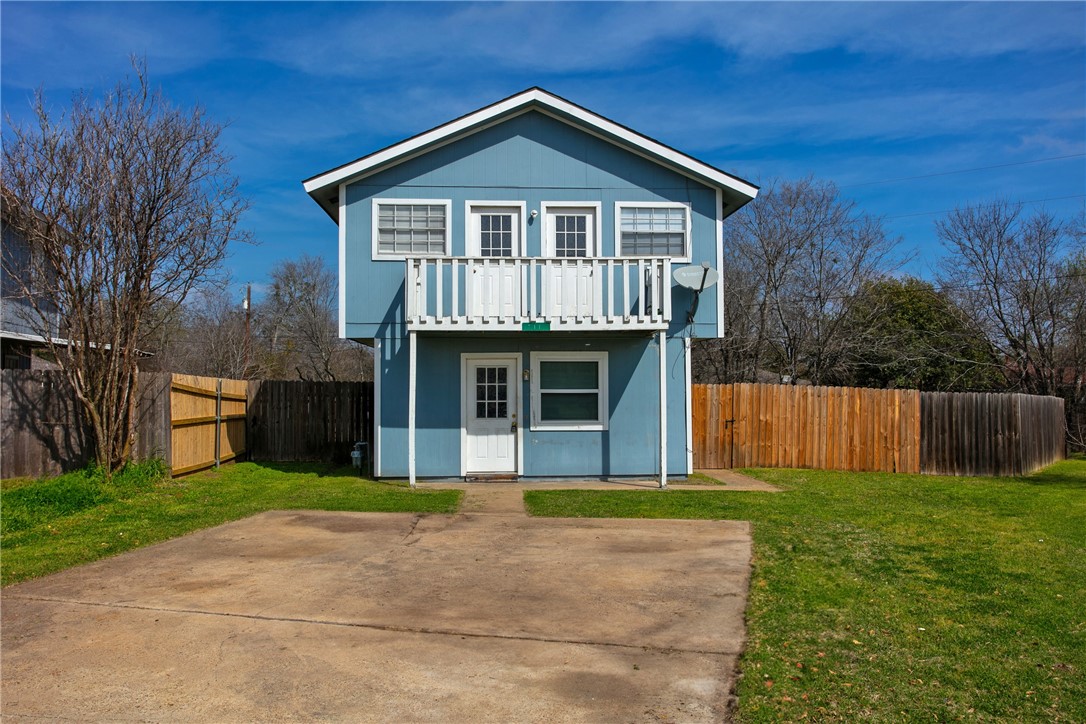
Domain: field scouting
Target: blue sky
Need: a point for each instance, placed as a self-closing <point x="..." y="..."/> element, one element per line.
<point x="867" y="95"/>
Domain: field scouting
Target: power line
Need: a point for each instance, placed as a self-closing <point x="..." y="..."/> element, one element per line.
<point x="963" y="170"/>
<point x="981" y="204"/>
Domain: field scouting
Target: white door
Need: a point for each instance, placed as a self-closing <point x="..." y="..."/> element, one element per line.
<point x="495" y="283"/>
<point x="490" y="396"/>
<point x="571" y="286"/>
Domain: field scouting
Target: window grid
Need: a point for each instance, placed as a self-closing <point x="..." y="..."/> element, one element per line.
<point x="652" y="231"/>
<point x="411" y="228"/>
<point x="496" y="235"/>
<point x="571" y="235"/>
<point x="491" y="393"/>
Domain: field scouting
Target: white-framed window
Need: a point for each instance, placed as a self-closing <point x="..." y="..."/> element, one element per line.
<point x="410" y="227"/>
<point x="495" y="228"/>
<point x="571" y="229"/>
<point x="652" y="229"/>
<point x="569" y="390"/>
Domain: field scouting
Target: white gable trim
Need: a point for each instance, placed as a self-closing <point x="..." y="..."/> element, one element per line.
<point x="533" y="97"/>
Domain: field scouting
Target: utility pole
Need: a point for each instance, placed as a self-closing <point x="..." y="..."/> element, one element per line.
<point x="248" y="315"/>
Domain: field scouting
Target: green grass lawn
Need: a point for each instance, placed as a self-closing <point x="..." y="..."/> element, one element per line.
<point x="899" y="597"/>
<point x="51" y="524"/>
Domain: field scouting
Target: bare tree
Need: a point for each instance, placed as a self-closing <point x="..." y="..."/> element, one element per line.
<point x="1020" y="279"/>
<point x="212" y="335"/>
<point x="800" y="254"/>
<point x="297" y="322"/>
<point x="128" y="204"/>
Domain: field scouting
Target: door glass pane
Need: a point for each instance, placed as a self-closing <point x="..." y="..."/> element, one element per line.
<point x="491" y="392"/>
<point x="496" y="234"/>
<point x="570" y="235"/>
<point x="566" y="406"/>
<point x="558" y="375"/>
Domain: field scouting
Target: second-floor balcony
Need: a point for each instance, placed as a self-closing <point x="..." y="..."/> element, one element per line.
<point x="520" y="293"/>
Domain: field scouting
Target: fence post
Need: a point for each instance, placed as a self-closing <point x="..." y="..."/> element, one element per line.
<point x="218" y="421"/>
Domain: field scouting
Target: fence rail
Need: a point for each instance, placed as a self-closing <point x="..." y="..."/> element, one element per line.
<point x="843" y="428"/>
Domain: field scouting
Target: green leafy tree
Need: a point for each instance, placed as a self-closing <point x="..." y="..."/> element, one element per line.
<point x="919" y="339"/>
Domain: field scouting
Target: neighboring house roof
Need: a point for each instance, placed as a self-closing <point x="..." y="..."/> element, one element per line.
<point x="324" y="187"/>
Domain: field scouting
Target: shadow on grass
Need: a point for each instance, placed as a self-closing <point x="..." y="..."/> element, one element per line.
<point x="318" y="469"/>
<point x="1069" y="473"/>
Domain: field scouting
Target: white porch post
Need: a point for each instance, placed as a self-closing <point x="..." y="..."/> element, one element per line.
<point x="663" y="409"/>
<point x="411" y="352"/>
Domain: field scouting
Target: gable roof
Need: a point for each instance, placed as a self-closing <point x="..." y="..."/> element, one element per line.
<point x="324" y="187"/>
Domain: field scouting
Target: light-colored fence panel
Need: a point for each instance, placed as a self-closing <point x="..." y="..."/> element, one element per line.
<point x="207" y="420"/>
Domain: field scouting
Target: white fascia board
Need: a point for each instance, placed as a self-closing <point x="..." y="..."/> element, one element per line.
<point x="632" y="139"/>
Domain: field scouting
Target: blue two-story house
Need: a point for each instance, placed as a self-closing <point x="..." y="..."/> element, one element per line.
<point x="513" y="270"/>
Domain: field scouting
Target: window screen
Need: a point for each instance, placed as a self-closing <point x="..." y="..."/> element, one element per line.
<point x="411" y="228"/>
<point x="652" y="231"/>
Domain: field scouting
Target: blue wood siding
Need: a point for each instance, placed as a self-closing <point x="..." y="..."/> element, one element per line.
<point x="531" y="157"/>
<point x="628" y="447"/>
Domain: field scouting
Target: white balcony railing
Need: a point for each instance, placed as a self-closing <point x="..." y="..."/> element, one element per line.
<point x="507" y="293"/>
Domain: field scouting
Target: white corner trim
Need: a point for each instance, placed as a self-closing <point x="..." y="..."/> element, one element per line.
<point x="546" y="245"/>
<point x="688" y="244"/>
<point x="719" y="223"/>
<point x="378" y="358"/>
<point x="603" y="404"/>
<point x="343" y="261"/>
<point x="471" y="229"/>
<point x="545" y="101"/>
<point x="376" y="255"/>
<point x="689" y="410"/>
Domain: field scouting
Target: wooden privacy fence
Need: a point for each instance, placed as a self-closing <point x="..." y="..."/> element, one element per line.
<point x="190" y="422"/>
<point x="207" y="421"/>
<point x="845" y="428"/>
<point x="298" y="420"/>
<point x="43" y="429"/>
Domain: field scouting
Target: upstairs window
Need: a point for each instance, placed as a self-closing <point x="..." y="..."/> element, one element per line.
<point x="570" y="229"/>
<point x="409" y="227"/>
<point x="653" y="229"/>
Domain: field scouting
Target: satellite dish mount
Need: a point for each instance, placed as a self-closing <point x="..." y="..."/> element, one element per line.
<point x="698" y="279"/>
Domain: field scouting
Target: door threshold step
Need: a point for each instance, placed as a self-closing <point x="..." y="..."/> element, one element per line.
<point x="491" y="478"/>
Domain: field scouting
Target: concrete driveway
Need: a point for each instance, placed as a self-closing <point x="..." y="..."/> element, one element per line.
<point x="295" y="615"/>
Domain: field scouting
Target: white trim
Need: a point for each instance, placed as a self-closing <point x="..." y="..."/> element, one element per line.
<point x="689" y="409"/>
<point x="663" y="409"/>
<point x="688" y="243"/>
<point x="719" y="223"/>
<point x="378" y="354"/>
<point x="377" y="255"/>
<point x="412" y="355"/>
<point x="546" y="243"/>
<point x="531" y="97"/>
<point x="471" y="230"/>
<point x="466" y="357"/>
<point x="343" y="261"/>
<point x="603" y="405"/>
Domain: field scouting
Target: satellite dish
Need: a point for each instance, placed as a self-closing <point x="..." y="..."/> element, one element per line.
<point x="696" y="277"/>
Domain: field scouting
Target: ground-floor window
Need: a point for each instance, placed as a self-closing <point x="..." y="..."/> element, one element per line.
<point x="569" y="390"/>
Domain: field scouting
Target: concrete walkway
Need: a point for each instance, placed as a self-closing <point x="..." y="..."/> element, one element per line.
<point x="507" y="498"/>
